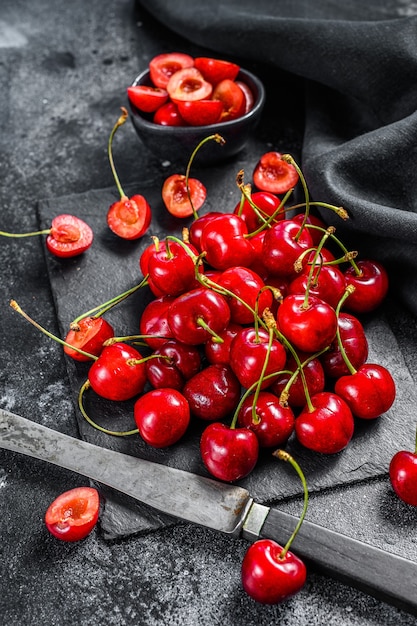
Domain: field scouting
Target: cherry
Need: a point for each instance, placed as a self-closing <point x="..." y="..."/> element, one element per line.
<point x="215" y="70"/>
<point x="162" y="417"/>
<point x="272" y="173"/>
<point x="147" y="98"/>
<point x="310" y="325"/>
<point x="318" y="226"/>
<point x="282" y="245"/>
<point x="271" y="422"/>
<point x="154" y="323"/>
<point x="88" y="335"/>
<point x="232" y="98"/>
<point x="370" y="280"/>
<point x="183" y="196"/>
<point x="119" y="372"/>
<point x="168" y="115"/>
<point x="271" y="573"/>
<point x="224" y="243"/>
<point x="229" y="454"/>
<point x="213" y="392"/>
<point x="294" y="387"/>
<point x="68" y="236"/>
<point x="219" y="351"/>
<point x="172" y="267"/>
<point x="129" y="218"/>
<point x="163" y="66"/>
<point x="328" y="283"/>
<point x="73" y="514"/>
<point x="355" y="345"/>
<point x="197" y="226"/>
<point x="177" y="363"/>
<point x="248" y="353"/>
<point x="262" y="206"/>
<point x="248" y="291"/>
<point x="325" y="424"/>
<point x="249" y="97"/>
<point x="200" y="112"/>
<point x="403" y="475"/>
<point x="369" y="391"/>
<point x="188" y="84"/>
<point x="197" y="315"/>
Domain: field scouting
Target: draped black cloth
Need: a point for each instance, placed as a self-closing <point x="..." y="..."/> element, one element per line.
<point x="358" y="65"/>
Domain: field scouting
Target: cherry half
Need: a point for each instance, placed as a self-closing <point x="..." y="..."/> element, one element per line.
<point x="73" y="514"/>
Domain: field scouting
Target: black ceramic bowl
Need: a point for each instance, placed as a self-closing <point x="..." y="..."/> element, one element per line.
<point x="176" y="143"/>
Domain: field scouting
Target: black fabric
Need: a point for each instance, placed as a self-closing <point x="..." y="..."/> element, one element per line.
<point x="358" y="64"/>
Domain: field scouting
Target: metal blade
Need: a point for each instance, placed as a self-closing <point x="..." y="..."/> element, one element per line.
<point x="181" y="494"/>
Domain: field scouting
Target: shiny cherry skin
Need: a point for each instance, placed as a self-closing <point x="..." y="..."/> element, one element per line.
<point x="195" y="315"/>
<point x="113" y="377"/>
<point x="172" y="268"/>
<point x="168" y="115"/>
<point x="282" y="246"/>
<point x="212" y="393"/>
<point x="224" y="243"/>
<point x="317" y="224"/>
<point x="311" y="328"/>
<point x="154" y="321"/>
<point x="219" y="352"/>
<point x="232" y="97"/>
<point x="371" y="286"/>
<point x="329" y="427"/>
<point x="229" y="454"/>
<point x="249" y="289"/>
<point x="267" y="204"/>
<point x="200" y="112"/>
<point x="403" y="476"/>
<point x="215" y="70"/>
<point x="177" y="363"/>
<point x="273" y="174"/>
<point x="355" y="343"/>
<point x="269" y="578"/>
<point x="153" y="247"/>
<point x="273" y="423"/>
<point x="73" y="514"/>
<point x="314" y="376"/>
<point x="248" y="352"/>
<point x="328" y="283"/>
<point x="69" y="236"/>
<point x="369" y="392"/>
<point x="197" y="226"/>
<point x="89" y="335"/>
<point x="162" y="417"/>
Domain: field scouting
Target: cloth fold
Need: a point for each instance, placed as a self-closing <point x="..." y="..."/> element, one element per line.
<point x="359" y="65"/>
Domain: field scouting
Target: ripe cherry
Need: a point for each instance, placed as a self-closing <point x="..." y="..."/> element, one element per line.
<point x="271" y="422"/>
<point x="403" y="475"/>
<point x="129" y="218"/>
<point x="265" y="204"/>
<point x="172" y="268"/>
<point x="219" y="351"/>
<point x="232" y="98"/>
<point x="354" y="342"/>
<point x="147" y="98"/>
<point x="188" y="84"/>
<point x="168" y="115"/>
<point x="224" y="243"/>
<point x="153" y="322"/>
<point x="282" y="246"/>
<point x="177" y="191"/>
<point x="272" y="173"/>
<point x="369" y="391"/>
<point x="88" y="335"/>
<point x="215" y="70"/>
<point x="213" y="392"/>
<point x="197" y="226"/>
<point x="229" y="454"/>
<point x="200" y="112"/>
<point x="248" y="291"/>
<point x="118" y="373"/>
<point x="162" y="417"/>
<point x="371" y="283"/>
<point x="327" y="282"/>
<point x="163" y="66"/>
<point x="295" y="394"/>
<point x="73" y="514"/>
<point x="177" y="363"/>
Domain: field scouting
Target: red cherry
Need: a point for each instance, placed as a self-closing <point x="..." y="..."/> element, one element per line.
<point x="163" y="66"/>
<point x="147" y="98"/>
<point x="249" y="97"/>
<point x="403" y="476"/>
<point x="328" y="283"/>
<point x="162" y="417"/>
<point x="328" y="426"/>
<point x="212" y="393"/>
<point x="282" y="246"/>
<point x="89" y="335"/>
<point x="219" y="351"/>
<point x="73" y="514"/>
<point x="177" y="363"/>
<point x="129" y="218"/>
<point x="69" y="236"/>
<point x="316" y="233"/>
<point x="266" y="205"/>
<point x="195" y="316"/>
<point x="308" y="328"/>
<point x="371" y="286"/>
<point x="172" y="268"/>
<point x="248" y="352"/>
<point x="273" y="174"/>
<point x="197" y="226"/>
<point x="215" y="70"/>
<point x="369" y="392"/>
<point x="229" y="454"/>
<point x="268" y="577"/>
<point x="247" y="288"/>
<point x="168" y="115"/>
<point x="223" y="240"/>
<point x="272" y="424"/>
<point x="200" y="112"/>
<point x="355" y="344"/>
<point x="188" y="84"/>
<point x="314" y="378"/>
<point x="154" y="321"/>
<point x="176" y="198"/>
<point x="232" y="98"/>
<point x="113" y="377"/>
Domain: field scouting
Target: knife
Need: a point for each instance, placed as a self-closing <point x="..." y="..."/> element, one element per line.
<point x="220" y="506"/>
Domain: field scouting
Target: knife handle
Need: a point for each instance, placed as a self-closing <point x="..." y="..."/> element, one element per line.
<point x="379" y="573"/>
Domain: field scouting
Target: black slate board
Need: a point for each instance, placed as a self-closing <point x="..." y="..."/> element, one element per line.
<point x="110" y="267"/>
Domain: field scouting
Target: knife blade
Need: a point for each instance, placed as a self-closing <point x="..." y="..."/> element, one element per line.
<point x="220" y="506"/>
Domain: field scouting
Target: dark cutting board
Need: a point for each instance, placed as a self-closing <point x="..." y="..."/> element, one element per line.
<point x="112" y="266"/>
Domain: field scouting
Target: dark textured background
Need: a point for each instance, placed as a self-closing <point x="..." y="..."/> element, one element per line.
<point x="63" y="72"/>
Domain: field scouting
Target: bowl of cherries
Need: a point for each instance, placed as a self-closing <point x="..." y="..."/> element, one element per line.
<point x="179" y="100"/>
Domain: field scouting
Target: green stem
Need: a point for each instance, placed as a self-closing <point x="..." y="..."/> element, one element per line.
<point x="284" y="456"/>
<point x="289" y="159"/>
<point x="326" y="235"/>
<point x="122" y="119"/>
<point x="349" y="289"/>
<point x="216" y="338"/>
<point x="115" y="433"/>
<point x="216" y="137"/>
<point x="37" y="232"/>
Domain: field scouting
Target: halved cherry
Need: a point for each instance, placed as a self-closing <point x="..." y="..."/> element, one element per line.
<point x="145" y="98"/>
<point x="68" y="236"/>
<point x="89" y="335"/>
<point x="273" y="174"/>
<point x="232" y="97"/>
<point x="73" y="514"/>
<point x="175" y="195"/>
<point x="163" y="66"/>
<point x="129" y="218"/>
<point x="215" y="70"/>
<point x="188" y="84"/>
<point x="249" y="97"/>
<point x="200" y="112"/>
<point x="168" y="115"/>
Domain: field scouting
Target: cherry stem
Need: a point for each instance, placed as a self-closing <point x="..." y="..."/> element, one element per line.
<point x="285" y="393"/>
<point x="18" y="309"/>
<point x="285" y="456"/>
<point x="122" y="119"/>
<point x="216" y="137"/>
<point x="132" y="362"/>
<point x="340" y="211"/>
<point x="262" y="376"/>
<point x="216" y="338"/>
<point x="99" y="310"/>
<point x="349" y="289"/>
<point x="289" y="159"/>
<point x="37" y="232"/>
<point x="133" y="338"/>
<point x="115" y="433"/>
<point x="347" y="255"/>
<point x="323" y="240"/>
